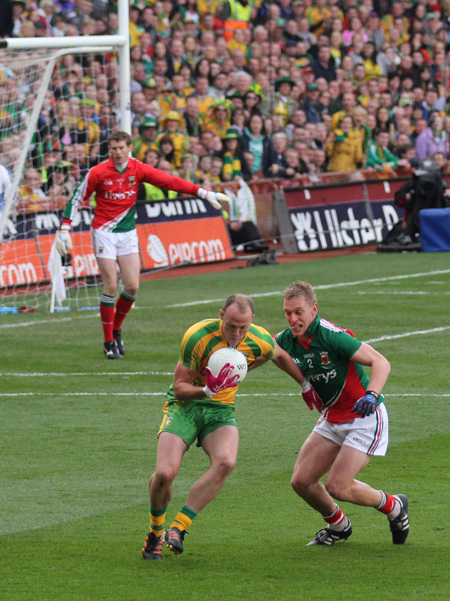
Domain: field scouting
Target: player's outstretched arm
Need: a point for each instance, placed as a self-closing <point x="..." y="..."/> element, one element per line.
<point x="284" y="361"/>
<point x="214" y="198"/>
<point x="258" y="362"/>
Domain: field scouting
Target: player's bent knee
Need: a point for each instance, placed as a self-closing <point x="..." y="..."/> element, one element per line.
<point x="225" y="466"/>
<point x="337" y="491"/>
<point x="164" y="477"/>
<point x="299" y="484"/>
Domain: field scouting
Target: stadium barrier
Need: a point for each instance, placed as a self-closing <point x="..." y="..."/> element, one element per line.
<point x="336" y="210"/>
<point x="327" y="210"/>
<point x="172" y="233"/>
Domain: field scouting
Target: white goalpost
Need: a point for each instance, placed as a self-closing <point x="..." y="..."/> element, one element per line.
<point x="28" y="66"/>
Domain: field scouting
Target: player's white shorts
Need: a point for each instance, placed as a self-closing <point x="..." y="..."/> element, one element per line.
<point x="110" y="245"/>
<point x="368" y="434"/>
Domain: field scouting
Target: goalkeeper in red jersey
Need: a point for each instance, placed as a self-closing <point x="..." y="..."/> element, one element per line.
<point x="354" y="423"/>
<point x="114" y="236"/>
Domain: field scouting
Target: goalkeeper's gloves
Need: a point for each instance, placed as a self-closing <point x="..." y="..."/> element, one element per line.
<point x="63" y="242"/>
<point x="215" y="384"/>
<point x="215" y="198"/>
<point x="367" y="404"/>
<point x="311" y="397"/>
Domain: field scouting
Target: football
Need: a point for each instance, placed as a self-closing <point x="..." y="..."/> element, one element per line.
<point x="228" y="355"/>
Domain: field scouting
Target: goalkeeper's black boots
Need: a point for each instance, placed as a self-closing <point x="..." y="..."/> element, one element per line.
<point x="174" y="539"/>
<point x="329" y="537"/>
<point x="152" y="548"/>
<point x="111" y="350"/>
<point x="120" y="345"/>
<point x="400" y="525"/>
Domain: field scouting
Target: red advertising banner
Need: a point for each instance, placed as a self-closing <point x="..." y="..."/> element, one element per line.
<point x="195" y="244"/>
<point x="20" y="263"/>
<point x="174" y="232"/>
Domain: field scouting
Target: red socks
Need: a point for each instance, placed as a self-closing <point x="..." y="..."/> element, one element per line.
<point x="337" y="520"/>
<point x="123" y="306"/>
<point x="387" y="503"/>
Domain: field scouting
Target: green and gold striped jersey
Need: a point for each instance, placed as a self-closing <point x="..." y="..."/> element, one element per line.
<point x="205" y="337"/>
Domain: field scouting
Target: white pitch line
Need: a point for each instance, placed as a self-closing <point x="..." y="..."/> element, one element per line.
<point x="65" y="375"/>
<point x="415" y="333"/>
<point x="25" y="324"/>
<point x="163" y="393"/>
<point x="405" y="292"/>
<point x="256" y="295"/>
<point x="170" y="373"/>
<point x="325" y="286"/>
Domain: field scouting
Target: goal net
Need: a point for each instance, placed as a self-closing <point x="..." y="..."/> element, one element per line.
<point x="57" y="108"/>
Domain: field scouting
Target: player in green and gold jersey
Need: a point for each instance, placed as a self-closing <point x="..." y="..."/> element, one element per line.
<point x="201" y="407"/>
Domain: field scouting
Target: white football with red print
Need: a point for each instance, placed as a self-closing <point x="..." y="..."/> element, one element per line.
<point x="232" y="356"/>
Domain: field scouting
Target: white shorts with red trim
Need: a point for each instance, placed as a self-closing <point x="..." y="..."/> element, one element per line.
<point x="110" y="245"/>
<point x="368" y="434"/>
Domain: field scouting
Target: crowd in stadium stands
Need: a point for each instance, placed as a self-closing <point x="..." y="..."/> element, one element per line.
<point x="229" y="89"/>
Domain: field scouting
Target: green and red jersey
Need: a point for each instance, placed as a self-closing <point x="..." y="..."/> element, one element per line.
<point x="325" y="361"/>
<point x="116" y="193"/>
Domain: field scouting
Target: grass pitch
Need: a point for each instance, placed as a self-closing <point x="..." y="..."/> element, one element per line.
<point x="78" y="445"/>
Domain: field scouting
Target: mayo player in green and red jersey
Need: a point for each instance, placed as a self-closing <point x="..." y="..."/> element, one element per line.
<point x="116" y="183"/>
<point x="353" y="425"/>
<point x="200" y="407"/>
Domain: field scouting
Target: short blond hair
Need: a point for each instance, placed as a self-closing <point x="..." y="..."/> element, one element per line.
<point x="300" y="289"/>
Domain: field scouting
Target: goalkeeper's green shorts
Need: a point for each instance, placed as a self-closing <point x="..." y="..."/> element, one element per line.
<point x="191" y="420"/>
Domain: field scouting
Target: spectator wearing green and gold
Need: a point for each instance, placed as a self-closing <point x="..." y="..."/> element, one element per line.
<point x="172" y="124"/>
<point x="219" y="117"/>
<point x="148" y="130"/>
<point x="150" y="91"/>
<point x="84" y="129"/>
<point x="379" y="157"/>
<point x="187" y="170"/>
<point x="280" y="102"/>
<point x="234" y="164"/>
<point x="344" y="147"/>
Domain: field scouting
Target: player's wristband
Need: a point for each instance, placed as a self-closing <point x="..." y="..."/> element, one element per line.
<point x="375" y="394"/>
<point x="209" y="393"/>
<point x="305" y="385"/>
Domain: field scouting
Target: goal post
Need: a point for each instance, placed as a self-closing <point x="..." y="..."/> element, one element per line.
<point x="32" y="123"/>
<point x="60" y="99"/>
<point x="67" y="45"/>
<point x="30" y="64"/>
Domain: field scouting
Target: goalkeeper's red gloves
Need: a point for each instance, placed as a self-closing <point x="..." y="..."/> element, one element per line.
<point x="63" y="241"/>
<point x="215" y="384"/>
<point x="215" y="198"/>
<point x="367" y="404"/>
<point x="311" y="397"/>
